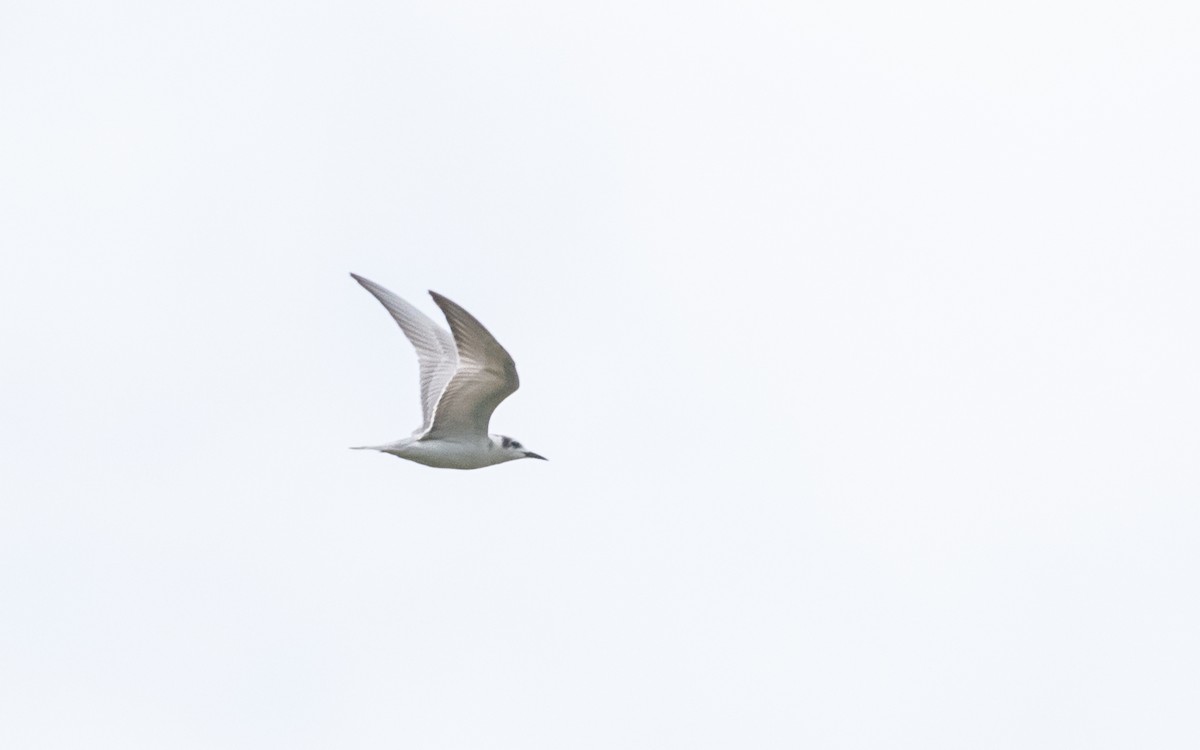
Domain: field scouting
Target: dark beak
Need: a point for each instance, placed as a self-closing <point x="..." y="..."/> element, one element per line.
<point x="531" y="454"/>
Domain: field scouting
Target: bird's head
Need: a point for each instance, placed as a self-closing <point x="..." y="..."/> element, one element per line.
<point x="513" y="449"/>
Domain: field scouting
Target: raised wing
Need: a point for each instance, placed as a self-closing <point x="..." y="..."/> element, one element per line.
<point x="486" y="375"/>
<point x="436" y="352"/>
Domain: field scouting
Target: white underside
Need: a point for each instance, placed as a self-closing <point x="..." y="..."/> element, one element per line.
<point x="447" y="454"/>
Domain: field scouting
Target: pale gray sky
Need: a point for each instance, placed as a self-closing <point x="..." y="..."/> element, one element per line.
<point x="861" y="337"/>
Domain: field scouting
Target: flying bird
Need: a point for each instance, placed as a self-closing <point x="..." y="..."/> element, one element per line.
<point x="465" y="374"/>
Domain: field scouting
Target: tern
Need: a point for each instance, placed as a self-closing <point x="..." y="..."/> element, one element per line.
<point x="465" y="374"/>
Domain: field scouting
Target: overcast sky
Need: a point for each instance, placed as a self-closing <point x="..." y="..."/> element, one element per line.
<point x="861" y="337"/>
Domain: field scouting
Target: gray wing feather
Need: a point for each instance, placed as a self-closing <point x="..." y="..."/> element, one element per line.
<point x="486" y="375"/>
<point x="436" y="352"/>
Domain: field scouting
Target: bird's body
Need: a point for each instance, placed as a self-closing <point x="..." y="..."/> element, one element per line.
<point x="449" y="454"/>
<point x="465" y="374"/>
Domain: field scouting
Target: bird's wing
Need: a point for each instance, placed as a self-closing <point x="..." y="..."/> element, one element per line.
<point x="486" y="375"/>
<point x="436" y="352"/>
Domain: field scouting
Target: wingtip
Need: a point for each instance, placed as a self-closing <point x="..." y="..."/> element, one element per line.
<point x="366" y="283"/>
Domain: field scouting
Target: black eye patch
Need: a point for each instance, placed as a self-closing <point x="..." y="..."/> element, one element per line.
<point x="516" y="445"/>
